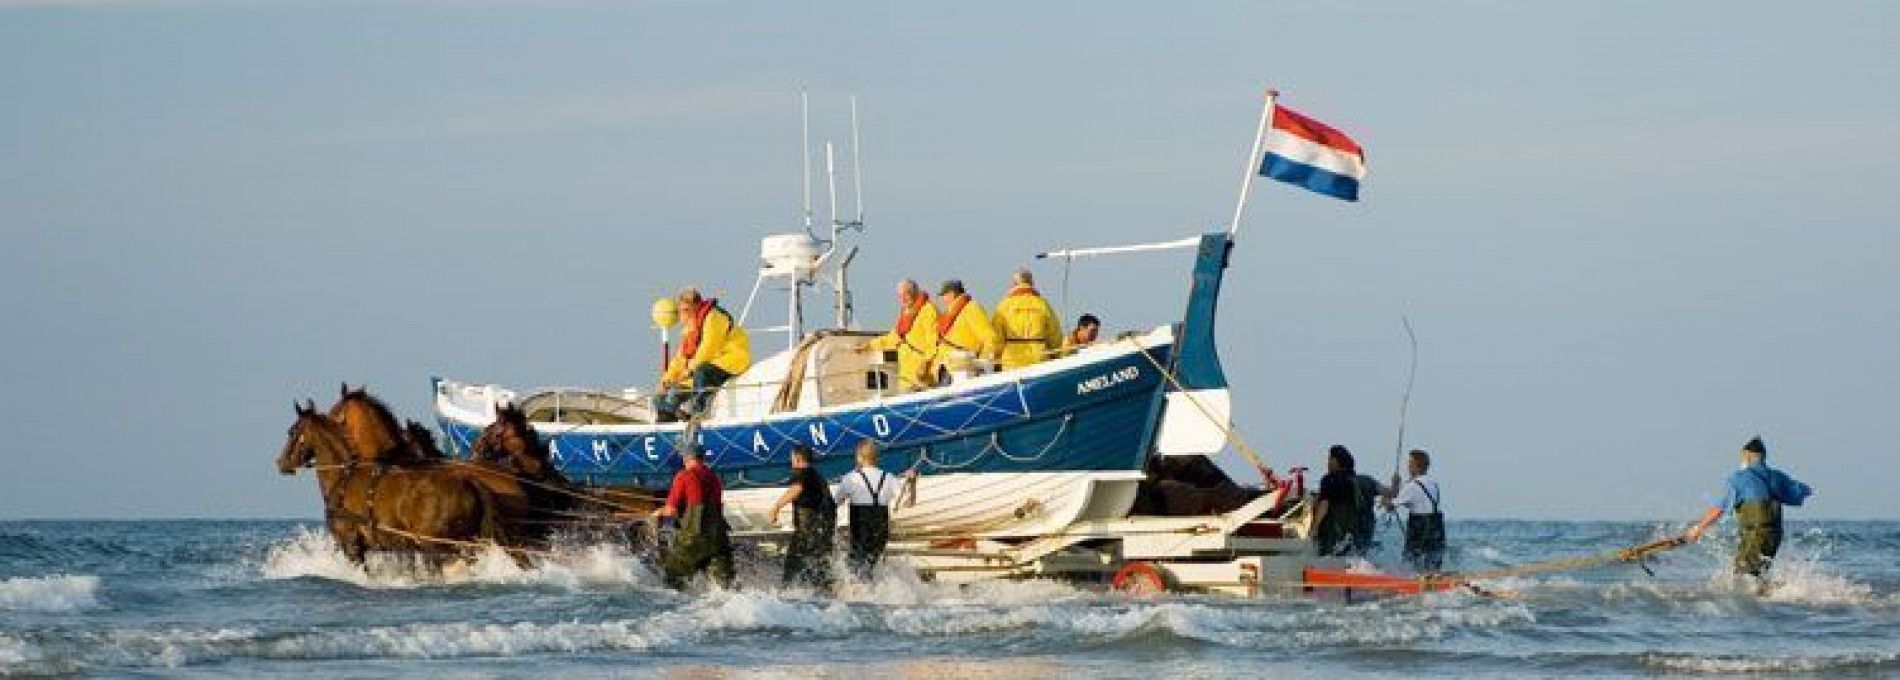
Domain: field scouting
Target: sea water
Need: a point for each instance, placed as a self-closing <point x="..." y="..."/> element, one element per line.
<point x="244" y="599"/>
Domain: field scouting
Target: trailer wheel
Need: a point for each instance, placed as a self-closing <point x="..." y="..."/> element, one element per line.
<point x="1141" y="579"/>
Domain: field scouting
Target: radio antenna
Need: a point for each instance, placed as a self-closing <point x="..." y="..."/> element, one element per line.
<point x="857" y="166"/>
<point x="804" y="151"/>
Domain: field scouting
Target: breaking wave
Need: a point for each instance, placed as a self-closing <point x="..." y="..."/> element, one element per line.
<point x="1738" y="665"/>
<point x="283" y="594"/>
<point x="724" y="614"/>
<point x="311" y="553"/>
<point x="58" y="593"/>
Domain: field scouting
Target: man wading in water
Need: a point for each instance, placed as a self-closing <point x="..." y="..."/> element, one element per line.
<point x="1338" y="520"/>
<point x="871" y="492"/>
<point x="1755" y="493"/>
<point x="814" y="515"/>
<point x="703" y="542"/>
<point x="1424" y="517"/>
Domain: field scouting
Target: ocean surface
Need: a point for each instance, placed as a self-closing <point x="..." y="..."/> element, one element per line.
<point x="247" y="599"/>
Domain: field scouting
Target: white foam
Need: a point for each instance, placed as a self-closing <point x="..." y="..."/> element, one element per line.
<point x="16" y="652"/>
<point x="685" y="625"/>
<point x="176" y="648"/>
<point x="56" y="593"/>
<point x="1804" y="578"/>
<point x="312" y="553"/>
<point x="1732" y="665"/>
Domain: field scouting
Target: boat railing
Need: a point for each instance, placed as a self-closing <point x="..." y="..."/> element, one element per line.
<point x="734" y="401"/>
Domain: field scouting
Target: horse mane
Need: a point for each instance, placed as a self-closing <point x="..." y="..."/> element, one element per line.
<point x="383" y="414"/>
<point x="421" y="440"/>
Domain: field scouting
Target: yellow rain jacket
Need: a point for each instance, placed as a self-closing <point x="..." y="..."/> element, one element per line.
<point x="914" y="337"/>
<point x="710" y="338"/>
<point x="1029" y="328"/>
<point x="964" y="327"/>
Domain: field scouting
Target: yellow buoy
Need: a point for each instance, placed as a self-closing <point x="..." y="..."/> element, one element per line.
<point x="666" y="312"/>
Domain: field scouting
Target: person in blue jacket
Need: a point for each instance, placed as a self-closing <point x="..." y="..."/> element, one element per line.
<point x="1756" y="494"/>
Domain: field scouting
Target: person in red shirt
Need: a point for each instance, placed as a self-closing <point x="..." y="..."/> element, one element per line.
<point x="704" y="541"/>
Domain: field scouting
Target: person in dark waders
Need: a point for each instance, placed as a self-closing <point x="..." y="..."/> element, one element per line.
<point x="814" y="518"/>
<point x="703" y="541"/>
<point x="1424" y="516"/>
<point x="1338" y="520"/>
<point x="1364" y="531"/>
<point x="871" y="493"/>
<point x="1756" y="494"/>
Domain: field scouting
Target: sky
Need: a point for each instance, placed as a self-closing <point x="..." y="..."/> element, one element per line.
<point x="1629" y="235"/>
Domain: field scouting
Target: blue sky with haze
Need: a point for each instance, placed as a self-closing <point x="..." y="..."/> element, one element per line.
<point x="1630" y="235"/>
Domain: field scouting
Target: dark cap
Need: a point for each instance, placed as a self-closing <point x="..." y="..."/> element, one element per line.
<point x="1756" y="446"/>
<point x="951" y="286"/>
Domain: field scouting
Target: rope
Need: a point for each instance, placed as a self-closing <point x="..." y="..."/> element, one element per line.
<point x="995" y="445"/>
<point x="1231" y="433"/>
<point x="550" y="487"/>
<point x="348" y="467"/>
<point x="1630" y="554"/>
<point x="1405" y="402"/>
<point x="457" y="543"/>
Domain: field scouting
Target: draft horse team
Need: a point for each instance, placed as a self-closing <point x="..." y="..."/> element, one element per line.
<point x="388" y="487"/>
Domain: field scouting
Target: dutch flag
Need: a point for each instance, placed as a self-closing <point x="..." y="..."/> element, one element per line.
<point x="1308" y="153"/>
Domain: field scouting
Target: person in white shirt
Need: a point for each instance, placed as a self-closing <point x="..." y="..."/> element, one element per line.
<point x="1425" y="517"/>
<point x="870" y="493"/>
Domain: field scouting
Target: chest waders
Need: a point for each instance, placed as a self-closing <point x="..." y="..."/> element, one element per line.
<point x="704" y="543"/>
<point x="808" y="554"/>
<point x="1760" y="529"/>
<point x="870" y="529"/>
<point x="1425" y="535"/>
<point x="1337" y="529"/>
<point x="1366" y="493"/>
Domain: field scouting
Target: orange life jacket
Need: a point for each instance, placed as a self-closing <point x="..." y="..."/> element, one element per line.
<point x="949" y="318"/>
<point x="696" y="321"/>
<point x="909" y="316"/>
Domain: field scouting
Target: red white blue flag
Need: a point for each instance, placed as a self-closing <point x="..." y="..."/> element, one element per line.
<point x="1308" y="153"/>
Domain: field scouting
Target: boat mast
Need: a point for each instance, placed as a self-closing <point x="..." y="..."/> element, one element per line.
<point x="800" y="259"/>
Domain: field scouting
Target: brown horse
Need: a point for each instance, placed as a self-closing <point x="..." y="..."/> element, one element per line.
<point x="374" y="434"/>
<point x="511" y="441"/>
<point x="366" y="508"/>
<point x="375" y="437"/>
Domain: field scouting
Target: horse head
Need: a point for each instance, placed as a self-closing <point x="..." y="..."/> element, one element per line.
<point x="300" y="444"/>
<point x="510" y="438"/>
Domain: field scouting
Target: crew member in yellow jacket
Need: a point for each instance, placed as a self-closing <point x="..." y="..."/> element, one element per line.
<point x="914" y="337"/>
<point x="966" y="340"/>
<point x="713" y="348"/>
<point x="1029" y="327"/>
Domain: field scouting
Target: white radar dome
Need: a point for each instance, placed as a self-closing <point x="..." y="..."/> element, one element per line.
<point x="789" y="253"/>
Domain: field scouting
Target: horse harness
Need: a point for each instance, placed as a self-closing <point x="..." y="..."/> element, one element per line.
<point x="332" y="501"/>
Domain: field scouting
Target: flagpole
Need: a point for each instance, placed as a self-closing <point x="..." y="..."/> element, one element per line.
<point x="1253" y="161"/>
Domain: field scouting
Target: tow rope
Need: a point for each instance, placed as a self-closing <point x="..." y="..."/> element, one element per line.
<point x="1425" y="583"/>
<point x="1635" y="553"/>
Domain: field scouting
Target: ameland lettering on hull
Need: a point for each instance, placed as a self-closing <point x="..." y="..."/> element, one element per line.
<point x="1105" y="381"/>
